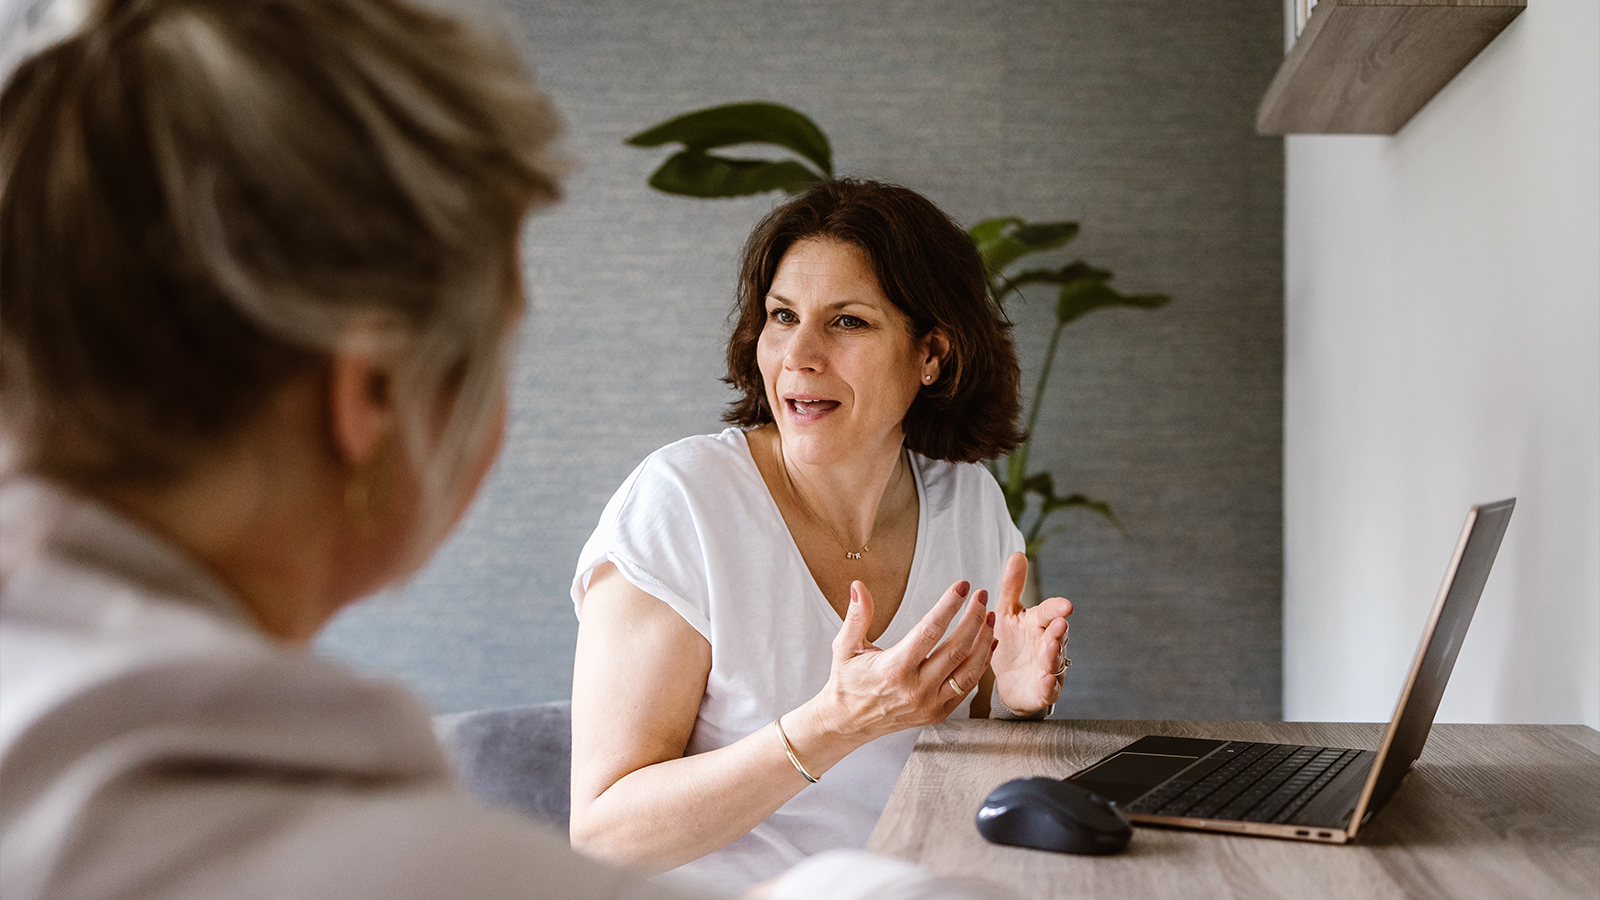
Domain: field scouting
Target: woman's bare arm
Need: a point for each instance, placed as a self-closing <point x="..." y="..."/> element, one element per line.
<point x="636" y="687"/>
<point x="637" y="684"/>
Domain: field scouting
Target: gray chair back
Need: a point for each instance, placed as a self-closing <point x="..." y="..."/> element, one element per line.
<point x="516" y="759"/>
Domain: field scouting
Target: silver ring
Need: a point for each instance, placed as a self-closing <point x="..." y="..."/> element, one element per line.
<point x="1065" y="664"/>
<point x="955" y="687"/>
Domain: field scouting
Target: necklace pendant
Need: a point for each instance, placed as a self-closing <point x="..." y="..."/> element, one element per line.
<point x="849" y="555"/>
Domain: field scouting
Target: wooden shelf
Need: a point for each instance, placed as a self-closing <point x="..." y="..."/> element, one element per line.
<point x="1367" y="66"/>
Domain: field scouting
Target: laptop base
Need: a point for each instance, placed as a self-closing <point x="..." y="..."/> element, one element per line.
<point x="1286" y="791"/>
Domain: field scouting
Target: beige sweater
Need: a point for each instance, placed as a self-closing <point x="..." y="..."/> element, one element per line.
<point x="153" y="744"/>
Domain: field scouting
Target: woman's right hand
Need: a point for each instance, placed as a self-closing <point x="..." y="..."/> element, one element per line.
<point x="638" y="681"/>
<point x="872" y="692"/>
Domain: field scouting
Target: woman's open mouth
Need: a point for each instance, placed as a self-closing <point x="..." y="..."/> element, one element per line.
<point x="809" y="409"/>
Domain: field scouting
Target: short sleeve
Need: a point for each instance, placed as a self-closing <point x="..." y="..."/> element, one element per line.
<point x="652" y="531"/>
<point x="970" y="492"/>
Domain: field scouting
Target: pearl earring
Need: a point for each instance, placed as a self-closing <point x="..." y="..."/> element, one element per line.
<point x="927" y="379"/>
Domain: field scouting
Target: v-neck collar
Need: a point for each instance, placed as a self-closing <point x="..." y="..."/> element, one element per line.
<point x="897" y="627"/>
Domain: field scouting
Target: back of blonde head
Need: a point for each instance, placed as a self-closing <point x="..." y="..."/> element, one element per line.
<point x="200" y="198"/>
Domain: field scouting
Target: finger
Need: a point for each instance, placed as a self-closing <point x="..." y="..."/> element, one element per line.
<point x="1052" y="690"/>
<point x="1012" y="580"/>
<point x="1058" y="665"/>
<point x="959" y="644"/>
<point x="1050" y="648"/>
<point x="922" y="639"/>
<point x="852" y="637"/>
<point x="1054" y="608"/>
<point x="970" y="672"/>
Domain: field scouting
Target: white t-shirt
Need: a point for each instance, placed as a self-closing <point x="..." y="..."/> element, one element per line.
<point x="696" y="527"/>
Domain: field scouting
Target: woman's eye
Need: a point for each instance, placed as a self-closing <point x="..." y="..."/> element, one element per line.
<point x="851" y="322"/>
<point x="783" y="316"/>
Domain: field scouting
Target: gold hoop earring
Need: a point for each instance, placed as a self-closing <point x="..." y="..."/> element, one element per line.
<point x="370" y="491"/>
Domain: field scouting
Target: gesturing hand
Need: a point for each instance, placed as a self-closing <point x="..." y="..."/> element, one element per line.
<point x="873" y="692"/>
<point x="1031" y="643"/>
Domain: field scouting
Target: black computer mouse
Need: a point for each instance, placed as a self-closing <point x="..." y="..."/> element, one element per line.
<point x="1051" y="814"/>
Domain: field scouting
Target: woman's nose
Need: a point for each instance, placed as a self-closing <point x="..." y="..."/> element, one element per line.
<point x="806" y="349"/>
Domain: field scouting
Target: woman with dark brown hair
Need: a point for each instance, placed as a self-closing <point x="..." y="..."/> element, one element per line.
<point x="761" y="633"/>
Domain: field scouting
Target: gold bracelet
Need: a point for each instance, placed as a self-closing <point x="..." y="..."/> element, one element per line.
<point x="789" y="749"/>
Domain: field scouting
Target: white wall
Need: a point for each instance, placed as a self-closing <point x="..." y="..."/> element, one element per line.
<point x="1443" y="348"/>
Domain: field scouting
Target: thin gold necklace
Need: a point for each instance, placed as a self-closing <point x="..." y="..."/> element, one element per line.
<point x="795" y="491"/>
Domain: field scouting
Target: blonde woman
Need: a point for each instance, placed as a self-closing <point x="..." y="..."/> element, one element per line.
<point x="258" y="279"/>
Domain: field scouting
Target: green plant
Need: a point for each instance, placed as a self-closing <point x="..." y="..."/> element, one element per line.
<point x="1080" y="290"/>
<point x="694" y="171"/>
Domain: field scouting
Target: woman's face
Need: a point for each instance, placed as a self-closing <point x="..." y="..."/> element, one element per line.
<point x="838" y="361"/>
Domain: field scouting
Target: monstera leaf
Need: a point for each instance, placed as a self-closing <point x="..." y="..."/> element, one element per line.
<point x="695" y="172"/>
<point x="1085" y="295"/>
<point x="1003" y="241"/>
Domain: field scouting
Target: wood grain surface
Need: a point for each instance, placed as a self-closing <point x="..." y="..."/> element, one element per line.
<point x="1368" y="66"/>
<point x="1488" y="811"/>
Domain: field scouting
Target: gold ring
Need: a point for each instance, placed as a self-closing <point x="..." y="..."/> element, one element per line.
<point x="955" y="687"/>
<point x="1065" y="664"/>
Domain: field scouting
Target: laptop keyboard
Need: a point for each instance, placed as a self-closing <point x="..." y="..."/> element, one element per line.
<point x="1247" y="782"/>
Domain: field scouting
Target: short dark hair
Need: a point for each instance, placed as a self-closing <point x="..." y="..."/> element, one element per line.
<point x="931" y="271"/>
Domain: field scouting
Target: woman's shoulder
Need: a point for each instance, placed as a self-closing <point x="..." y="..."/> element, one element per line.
<point x="966" y="505"/>
<point x="955" y="483"/>
<point x="693" y="470"/>
<point x="258" y="742"/>
<point x="120" y="660"/>
<point x="691" y="495"/>
<point x="700" y="454"/>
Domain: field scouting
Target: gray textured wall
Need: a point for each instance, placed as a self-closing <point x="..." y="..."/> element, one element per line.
<point x="1133" y="117"/>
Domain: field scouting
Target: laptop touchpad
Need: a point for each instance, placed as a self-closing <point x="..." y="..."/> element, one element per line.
<point x="1127" y="776"/>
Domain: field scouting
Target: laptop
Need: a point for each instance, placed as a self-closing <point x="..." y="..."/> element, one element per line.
<point x="1306" y="793"/>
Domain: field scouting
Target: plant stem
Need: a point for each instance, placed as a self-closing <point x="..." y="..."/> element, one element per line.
<point x="1018" y="464"/>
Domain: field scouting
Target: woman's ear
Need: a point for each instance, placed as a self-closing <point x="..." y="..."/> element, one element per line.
<point x="361" y="413"/>
<point x="936" y="347"/>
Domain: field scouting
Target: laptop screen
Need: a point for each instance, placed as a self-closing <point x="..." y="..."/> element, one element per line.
<point x="1436" y="656"/>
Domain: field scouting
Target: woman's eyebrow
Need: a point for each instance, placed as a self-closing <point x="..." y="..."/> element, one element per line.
<point x="836" y="305"/>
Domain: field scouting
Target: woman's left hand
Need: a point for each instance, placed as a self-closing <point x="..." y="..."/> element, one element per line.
<point x="1027" y="661"/>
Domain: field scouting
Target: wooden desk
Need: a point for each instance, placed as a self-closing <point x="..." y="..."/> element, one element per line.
<point x="1489" y="811"/>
